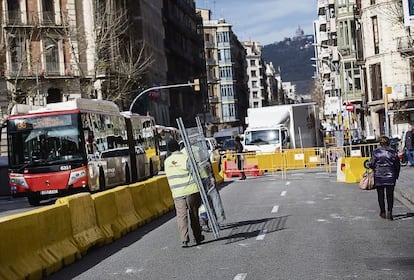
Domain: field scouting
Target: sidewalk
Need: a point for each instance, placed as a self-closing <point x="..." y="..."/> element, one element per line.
<point x="404" y="188"/>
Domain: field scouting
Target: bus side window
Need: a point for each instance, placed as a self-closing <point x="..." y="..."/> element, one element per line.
<point x="90" y="142"/>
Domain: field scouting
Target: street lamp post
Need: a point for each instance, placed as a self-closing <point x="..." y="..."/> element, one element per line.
<point x="189" y="84"/>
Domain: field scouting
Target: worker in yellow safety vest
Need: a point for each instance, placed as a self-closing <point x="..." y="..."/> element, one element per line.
<point x="185" y="192"/>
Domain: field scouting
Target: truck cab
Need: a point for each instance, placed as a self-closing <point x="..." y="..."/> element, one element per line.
<point x="266" y="140"/>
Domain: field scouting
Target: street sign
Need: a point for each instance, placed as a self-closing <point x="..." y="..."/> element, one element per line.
<point x="349" y="107"/>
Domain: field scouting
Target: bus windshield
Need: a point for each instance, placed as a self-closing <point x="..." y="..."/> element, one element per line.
<point x="262" y="137"/>
<point x="44" y="139"/>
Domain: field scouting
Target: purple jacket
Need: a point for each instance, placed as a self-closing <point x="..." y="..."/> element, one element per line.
<point x="386" y="165"/>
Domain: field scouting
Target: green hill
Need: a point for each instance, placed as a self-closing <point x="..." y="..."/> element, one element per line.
<point x="293" y="56"/>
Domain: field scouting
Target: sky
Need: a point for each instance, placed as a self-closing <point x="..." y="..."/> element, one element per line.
<point x="265" y="21"/>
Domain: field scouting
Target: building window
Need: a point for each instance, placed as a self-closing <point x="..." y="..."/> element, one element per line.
<point x="254" y="94"/>
<point x="376" y="81"/>
<point x="229" y="112"/>
<point x="252" y="62"/>
<point x="253" y="73"/>
<point x="225" y="55"/>
<point x="254" y="84"/>
<point x="51" y="51"/>
<point x="226" y="91"/>
<point x="255" y="104"/>
<point x="372" y="2"/>
<point x="223" y="37"/>
<point x="375" y="34"/>
<point x="17" y="53"/>
<point x="226" y="73"/>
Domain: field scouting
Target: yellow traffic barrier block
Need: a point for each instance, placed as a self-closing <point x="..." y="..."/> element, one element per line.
<point x="138" y="194"/>
<point x="350" y="170"/>
<point x="153" y="197"/>
<point x="354" y="168"/>
<point x="126" y="208"/>
<point x="107" y="216"/>
<point x="20" y="246"/>
<point x="85" y="228"/>
<point x="58" y="245"/>
<point x="340" y="169"/>
<point x="165" y="193"/>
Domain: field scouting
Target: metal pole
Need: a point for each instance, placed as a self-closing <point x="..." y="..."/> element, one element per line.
<point x="158" y="87"/>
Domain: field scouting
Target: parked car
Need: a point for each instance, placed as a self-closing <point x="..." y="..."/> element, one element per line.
<point x="228" y="145"/>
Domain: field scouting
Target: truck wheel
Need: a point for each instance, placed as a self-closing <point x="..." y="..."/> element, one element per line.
<point x="34" y="199"/>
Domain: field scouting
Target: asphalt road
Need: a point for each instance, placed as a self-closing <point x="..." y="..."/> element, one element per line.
<point x="306" y="227"/>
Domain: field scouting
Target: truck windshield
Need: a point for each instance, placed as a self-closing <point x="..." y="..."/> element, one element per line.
<point x="42" y="144"/>
<point x="262" y="137"/>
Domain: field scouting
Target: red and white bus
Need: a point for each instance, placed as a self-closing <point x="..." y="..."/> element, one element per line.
<point x="79" y="145"/>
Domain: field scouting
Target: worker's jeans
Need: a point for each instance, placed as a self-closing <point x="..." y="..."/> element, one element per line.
<point x="410" y="158"/>
<point x="185" y="207"/>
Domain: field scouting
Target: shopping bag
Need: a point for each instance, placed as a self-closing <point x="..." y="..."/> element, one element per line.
<point x="367" y="181"/>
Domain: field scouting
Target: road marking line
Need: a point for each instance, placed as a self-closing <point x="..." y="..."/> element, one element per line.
<point x="287" y="183"/>
<point x="262" y="235"/>
<point x="240" y="276"/>
<point x="283" y="193"/>
<point x="275" y="209"/>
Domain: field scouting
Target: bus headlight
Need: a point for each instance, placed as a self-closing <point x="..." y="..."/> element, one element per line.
<point x="76" y="175"/>
<point x="18" y="181"/>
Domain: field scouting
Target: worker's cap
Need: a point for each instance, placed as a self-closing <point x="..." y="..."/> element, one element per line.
<point x="172" y="145"/>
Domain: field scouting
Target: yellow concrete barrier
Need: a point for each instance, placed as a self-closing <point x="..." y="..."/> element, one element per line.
<point x="350" y="169"/>
<point x="58" y="245"/>
<point x="138" y="193"/>
<point x="85" y="229"/>
<point x="20" y="246"/>
<point x="165" y="193"/>
<point x="354" y="168"/>
<point x="153" y="199"/>
<point x="126" y="208"/>
<point x="108" y="218"/>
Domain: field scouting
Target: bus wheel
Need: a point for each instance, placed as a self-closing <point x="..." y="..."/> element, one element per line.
<point x="127" y="175"/>
<point x="34" y="199"/>
<point x="100" y="183"/>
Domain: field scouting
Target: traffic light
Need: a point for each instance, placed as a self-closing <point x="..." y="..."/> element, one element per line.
<point x="196" y="84"/>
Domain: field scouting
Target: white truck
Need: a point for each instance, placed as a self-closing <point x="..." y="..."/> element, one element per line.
<point x="279" y="127"/>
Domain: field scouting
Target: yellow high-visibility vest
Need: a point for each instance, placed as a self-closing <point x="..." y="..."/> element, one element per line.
<point x="179" y="178"/>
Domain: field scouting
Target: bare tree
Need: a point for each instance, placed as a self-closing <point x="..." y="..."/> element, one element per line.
<point x="119" y="64"/>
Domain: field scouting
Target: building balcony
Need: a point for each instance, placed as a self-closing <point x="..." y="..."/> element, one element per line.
<point x="213" y="99"/>
<point x="211" y="61"/>
<point x="352" y="97"/>
<point x="25" y="19"/>
<point x="327" y="86"/>
<point x="21" y="71"/>
<point x="405" y="45"/>
<point x="209" y="45"/>
<point x="322" y="3"/>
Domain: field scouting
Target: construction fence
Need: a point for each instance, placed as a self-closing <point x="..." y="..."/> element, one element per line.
<point x="331" y="159"/>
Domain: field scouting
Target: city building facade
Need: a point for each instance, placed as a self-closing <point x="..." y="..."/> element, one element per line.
<point x="184" y="50"/>
<point x="256" y="73"/>
<point x="226" y="73"/>
<point x="388" y="67"/>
